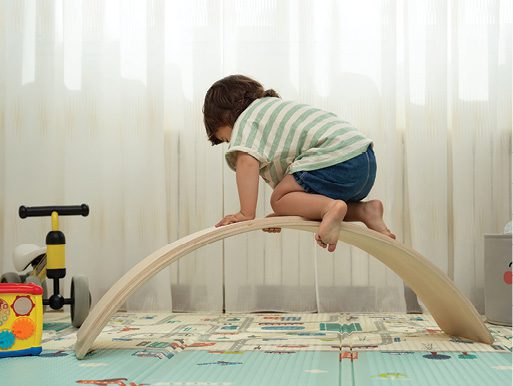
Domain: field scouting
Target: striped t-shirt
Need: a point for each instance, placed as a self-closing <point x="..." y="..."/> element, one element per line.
<point x="287" y="137"/>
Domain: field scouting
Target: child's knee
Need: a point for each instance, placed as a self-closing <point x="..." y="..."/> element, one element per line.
<point x="275" y="198"/>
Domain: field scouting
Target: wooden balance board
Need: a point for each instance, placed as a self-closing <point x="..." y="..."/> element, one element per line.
<point x="453" y="312"/>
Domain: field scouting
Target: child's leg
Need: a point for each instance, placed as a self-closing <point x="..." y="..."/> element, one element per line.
<point x="370" y="213"/>
<point x="289" y="199"/>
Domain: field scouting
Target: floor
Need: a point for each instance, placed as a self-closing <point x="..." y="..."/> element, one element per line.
<point x="264" y="349"/>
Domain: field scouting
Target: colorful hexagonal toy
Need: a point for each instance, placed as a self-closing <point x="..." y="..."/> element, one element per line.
<point x="21" y="319"/>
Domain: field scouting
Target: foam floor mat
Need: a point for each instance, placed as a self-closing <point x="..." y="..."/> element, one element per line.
<point x="264" y="349"/>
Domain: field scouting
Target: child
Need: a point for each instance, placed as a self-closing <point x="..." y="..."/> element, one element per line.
<point x="319" y="166"/>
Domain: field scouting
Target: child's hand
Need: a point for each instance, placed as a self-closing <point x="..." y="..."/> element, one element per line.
<point x="233" y="218"/>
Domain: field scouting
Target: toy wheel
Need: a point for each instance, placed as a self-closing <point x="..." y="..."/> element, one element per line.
<point x="10" y="277"/>
<point x="80" y="300"/>
<point x="35" y="280"/>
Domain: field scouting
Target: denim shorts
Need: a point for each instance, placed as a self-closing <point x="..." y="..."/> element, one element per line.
<point x="350" y="181"/>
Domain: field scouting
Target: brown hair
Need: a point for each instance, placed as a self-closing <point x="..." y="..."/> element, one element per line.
<point x="227" y="98"/>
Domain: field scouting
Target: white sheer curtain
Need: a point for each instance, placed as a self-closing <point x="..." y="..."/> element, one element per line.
<point x="101" y="103"/>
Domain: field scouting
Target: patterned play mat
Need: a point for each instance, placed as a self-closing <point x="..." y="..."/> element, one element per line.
<point x="264" y="349"/>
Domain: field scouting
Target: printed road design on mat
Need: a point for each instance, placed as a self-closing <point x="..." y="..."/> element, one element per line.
<point x="264" y="349"/>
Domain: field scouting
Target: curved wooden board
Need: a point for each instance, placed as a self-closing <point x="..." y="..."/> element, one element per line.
<point x="453" y="312"/>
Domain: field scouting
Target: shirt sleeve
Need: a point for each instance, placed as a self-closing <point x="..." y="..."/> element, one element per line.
<point x="239" y="142"/>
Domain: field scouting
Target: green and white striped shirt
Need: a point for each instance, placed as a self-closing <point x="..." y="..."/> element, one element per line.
<point x="287" y="137"/>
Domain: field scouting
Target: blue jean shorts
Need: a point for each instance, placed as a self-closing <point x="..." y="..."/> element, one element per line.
<point x="350" y="181"/>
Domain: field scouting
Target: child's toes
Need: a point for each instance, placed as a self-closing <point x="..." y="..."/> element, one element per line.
<point x="320" y="242"/>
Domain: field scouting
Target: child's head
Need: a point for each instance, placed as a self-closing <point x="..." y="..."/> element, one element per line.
<point x="226" y="99"/>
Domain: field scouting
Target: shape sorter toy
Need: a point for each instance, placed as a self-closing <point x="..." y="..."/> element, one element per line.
<point x="21" y="319"/>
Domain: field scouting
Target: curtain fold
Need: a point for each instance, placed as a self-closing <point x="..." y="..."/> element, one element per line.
<point x="101" y="103"/>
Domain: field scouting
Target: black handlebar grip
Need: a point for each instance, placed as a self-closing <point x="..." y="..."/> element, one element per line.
<point x="39" y="211"/>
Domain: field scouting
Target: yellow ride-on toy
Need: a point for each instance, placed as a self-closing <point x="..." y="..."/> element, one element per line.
<point x="49" y="262"/>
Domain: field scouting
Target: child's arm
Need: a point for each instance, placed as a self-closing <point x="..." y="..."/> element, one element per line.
<point x="247" y="185"/>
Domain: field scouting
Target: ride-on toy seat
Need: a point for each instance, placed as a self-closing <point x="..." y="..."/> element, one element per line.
<point x="49" y="262"/>
<point x="24" y="254"/>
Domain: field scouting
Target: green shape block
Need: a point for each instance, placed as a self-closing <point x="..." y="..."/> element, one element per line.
<point x="330" y="327"/>
<point x="352" y="327"/>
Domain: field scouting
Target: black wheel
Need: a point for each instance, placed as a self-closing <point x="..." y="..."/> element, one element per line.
<point x="80" y="300"/>
<point x="10" y="277"/>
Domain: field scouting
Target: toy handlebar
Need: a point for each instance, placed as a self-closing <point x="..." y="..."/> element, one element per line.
<point x="38" y="211"/>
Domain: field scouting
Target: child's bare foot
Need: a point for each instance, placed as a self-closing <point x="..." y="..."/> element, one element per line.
<point x="373" y="217"/>
<point x="329" y="229"/>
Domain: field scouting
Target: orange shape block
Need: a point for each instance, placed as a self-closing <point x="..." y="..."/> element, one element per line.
<point x="23" y="328"/>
